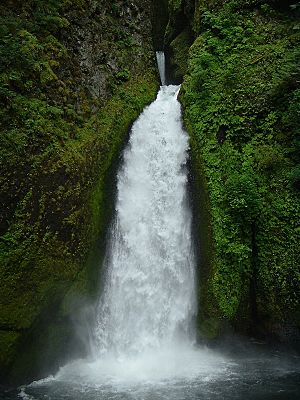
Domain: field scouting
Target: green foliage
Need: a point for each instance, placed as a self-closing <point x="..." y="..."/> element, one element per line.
<point x="123" y="76"/>
<point x="180" y="47"/>
<point x="241" y="107"/>
<point x="241" y="196"/>
<point x="175" y="5"/>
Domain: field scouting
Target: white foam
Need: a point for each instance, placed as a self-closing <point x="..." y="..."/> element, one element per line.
<point x="148" y="300"/>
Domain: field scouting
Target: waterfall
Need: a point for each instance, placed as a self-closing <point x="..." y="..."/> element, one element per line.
<point x="143" y="330"/>
<point x="148" y="300"/>
<point x="161" y="63"/>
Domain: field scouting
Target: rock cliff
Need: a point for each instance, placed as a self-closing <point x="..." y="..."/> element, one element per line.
<point x="74" y="76"/>
<point x="240" y="96"/>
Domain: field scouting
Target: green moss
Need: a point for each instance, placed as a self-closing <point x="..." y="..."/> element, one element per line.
<point x="8" y="343"/>
<point x="59" y="142"/>
<point x="210" y="328"/>
<point x="39" y="271"/>
<point x="179" y="53"/>
<point x="175" y="5"/>
<point x="237" y="96"/>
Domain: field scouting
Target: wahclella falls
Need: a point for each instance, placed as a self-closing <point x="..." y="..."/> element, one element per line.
<point x="149" y="190"/>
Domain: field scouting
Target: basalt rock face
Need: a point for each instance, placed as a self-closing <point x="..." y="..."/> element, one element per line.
<point x="74" y="76"/>
<point x="240" y="98"/>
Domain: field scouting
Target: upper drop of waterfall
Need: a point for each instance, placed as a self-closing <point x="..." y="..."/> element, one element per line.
<point x="161" y="63"/>
<point x="149" y="295"/>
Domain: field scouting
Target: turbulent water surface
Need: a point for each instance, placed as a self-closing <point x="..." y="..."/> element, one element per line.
<point x="144" y="343"/>
<point x="187" y="374"/>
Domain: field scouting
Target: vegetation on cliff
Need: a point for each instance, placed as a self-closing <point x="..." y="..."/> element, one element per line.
<point x="241" y="99"/>
<point x="73" y="76"/>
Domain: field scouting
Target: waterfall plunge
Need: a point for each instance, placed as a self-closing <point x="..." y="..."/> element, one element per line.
<point x="149" y="297"/>
<point x="143" y="330"/>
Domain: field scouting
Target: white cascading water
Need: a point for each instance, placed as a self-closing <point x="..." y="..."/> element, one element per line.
<point x="149" y="295"/>
<point x="144" y="326"/>
<point x="161" y="64"/>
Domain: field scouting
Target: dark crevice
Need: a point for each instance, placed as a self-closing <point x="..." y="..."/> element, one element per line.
<point x="160" y="17"/>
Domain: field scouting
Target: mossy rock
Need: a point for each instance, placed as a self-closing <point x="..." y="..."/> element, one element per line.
<point x="8" y="343"/>
<point x="209" y="329"/>
<point x="69" y="94"/>
<point x="237" y="99"/>
<point x="179" y="49"/>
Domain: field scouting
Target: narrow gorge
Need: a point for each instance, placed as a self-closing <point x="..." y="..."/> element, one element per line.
<point x="149" y="235"/>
